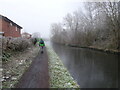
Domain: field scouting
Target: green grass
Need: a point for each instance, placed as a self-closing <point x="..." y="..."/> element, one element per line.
<point x="59" y="75"/>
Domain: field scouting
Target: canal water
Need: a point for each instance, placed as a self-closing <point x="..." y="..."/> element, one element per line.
<point x="90" y="68"/>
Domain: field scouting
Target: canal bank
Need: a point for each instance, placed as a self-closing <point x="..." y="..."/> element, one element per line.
<point x="59" y="75"/>
<point x="96" y="48"/>
<point x="112" y="51"/>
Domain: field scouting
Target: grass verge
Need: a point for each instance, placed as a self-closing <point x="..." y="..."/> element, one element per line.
<point x="59" y="75"/>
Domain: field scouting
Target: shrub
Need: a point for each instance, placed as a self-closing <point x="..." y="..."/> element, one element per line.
<point x="5" y="56"/>
<point x="15" y="44"/>
<point x="18" y="44"/>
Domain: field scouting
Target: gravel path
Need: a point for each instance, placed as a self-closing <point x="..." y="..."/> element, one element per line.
<point x="37" y="75"/>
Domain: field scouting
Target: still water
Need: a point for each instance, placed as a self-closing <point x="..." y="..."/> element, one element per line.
<point x="90" y="68"/>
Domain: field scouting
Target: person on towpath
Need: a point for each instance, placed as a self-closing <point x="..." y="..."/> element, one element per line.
<point x="41" y="44"/>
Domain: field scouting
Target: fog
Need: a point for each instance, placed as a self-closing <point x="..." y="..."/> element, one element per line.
<point x="37" y="15"/>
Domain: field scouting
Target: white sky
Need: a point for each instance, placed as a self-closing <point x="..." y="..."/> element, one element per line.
<point x="37" y="15"/>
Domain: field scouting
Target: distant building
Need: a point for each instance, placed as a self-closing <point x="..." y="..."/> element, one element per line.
<point x="26" y="35"/>
<point x="8" y="28"/>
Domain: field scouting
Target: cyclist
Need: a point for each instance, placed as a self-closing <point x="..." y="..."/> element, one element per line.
<point x="41" y="44"/>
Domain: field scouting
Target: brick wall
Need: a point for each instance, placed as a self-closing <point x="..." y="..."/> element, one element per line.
<point x="10" y="30"/>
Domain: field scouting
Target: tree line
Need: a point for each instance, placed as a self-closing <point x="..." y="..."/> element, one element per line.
<point x="96" y="24"/>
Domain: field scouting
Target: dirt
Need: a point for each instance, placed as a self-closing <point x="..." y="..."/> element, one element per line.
<point x="36" y="75"/>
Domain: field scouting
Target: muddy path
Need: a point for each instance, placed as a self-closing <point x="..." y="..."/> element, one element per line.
<point x="37" y="75"/>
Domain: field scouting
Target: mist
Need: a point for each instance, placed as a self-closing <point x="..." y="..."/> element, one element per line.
<point x="37" y="15"/>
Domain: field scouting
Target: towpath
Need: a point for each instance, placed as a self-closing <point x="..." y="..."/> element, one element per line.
<point x="37" y="75"/>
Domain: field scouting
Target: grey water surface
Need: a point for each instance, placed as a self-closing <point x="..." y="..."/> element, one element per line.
<point x="90" y="68"/>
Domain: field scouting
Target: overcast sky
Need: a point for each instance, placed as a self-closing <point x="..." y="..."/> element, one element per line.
<point x="37" y="15"/>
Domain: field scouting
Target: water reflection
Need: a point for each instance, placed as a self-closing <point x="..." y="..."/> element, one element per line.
<point x="91" y="69"/>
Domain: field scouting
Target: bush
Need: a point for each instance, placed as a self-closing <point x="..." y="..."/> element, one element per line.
<point x="16" y="44"/>
<point x="13" y="44"/>
<point x="5" y="56"/>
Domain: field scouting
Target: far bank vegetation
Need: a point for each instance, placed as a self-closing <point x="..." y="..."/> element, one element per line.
<point x="96" y="24"/>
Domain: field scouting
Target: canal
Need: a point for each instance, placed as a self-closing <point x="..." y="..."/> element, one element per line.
<point x="90" y="68"/>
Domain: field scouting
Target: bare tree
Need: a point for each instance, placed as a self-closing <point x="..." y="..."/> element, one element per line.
<point x="98" y="25"/>
<point x="36" y="35"/>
